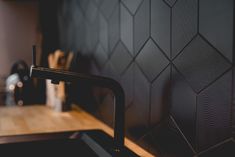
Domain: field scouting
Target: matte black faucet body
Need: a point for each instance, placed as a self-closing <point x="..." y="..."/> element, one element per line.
<point x="56" y="76"/>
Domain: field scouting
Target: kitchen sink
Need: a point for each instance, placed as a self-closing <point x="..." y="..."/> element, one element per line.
<point x="87" y="143"/>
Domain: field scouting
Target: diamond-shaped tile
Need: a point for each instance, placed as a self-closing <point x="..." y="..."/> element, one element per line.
<point x="233" y="103"/>
<point x="80" y="32"/>
<point x="120" y="54"/>
<point x="103" y="36"/>
<point x="98" y="2"/>
<point x="91" y="12"/>
<point x="127" y="28"/>
<point x="160" y="96"/>
<point x="160" y="25"/>
<point x="138" y="113"/>
<point x="141" y="25"/>
<point x="227" y="149"/>
<point x="100" y="56"/>
<point x="77" y="16"/>
<point x="106" y="109"/>
<point x="170" y="2"/>
<point x="216" y="24"/>
<point x="92" y="35"/>
<point x="110" y="71"/>
<point x="132" y="5"/>
<point x="165" y="141"/>
<point x="84" y="4"/>
<point x="214" y="112"/>
<point x="114" y="29"/>
<point x="94" y="70"/>
<point x="127" y="82"/>
<point x="151" y="60"/>
<point x="107" y="7"/>
<point x="183" y="106"/>
<point x="184" y="24"/>
<point x="200" y="64"/>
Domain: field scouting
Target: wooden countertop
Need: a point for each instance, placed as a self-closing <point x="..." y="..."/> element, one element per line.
<point x="41" y="119"/>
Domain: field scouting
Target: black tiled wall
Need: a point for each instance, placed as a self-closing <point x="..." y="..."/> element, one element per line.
<point x="174" y="59"/>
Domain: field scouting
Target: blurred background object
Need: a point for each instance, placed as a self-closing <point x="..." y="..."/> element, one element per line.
<point x="19" y="86"/>
<point x="56" y="96"/>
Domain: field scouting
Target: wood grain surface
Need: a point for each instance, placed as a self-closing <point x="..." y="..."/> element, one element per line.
<point x="42" y="119"/>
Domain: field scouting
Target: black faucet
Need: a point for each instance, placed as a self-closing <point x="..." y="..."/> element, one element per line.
<point x="56" y="76"/>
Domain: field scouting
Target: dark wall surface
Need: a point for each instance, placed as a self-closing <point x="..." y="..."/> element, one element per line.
<point x="174" y="59"/>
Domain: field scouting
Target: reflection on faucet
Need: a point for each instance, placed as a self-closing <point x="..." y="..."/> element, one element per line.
<point x="56" y="76"/>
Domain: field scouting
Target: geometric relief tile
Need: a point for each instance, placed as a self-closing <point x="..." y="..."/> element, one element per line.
<point x="227" y="149"/>
<point x="213" y="112"/>
<point x="233" y="102"/>
<point x="200" y="64"/>
<point x="151" y="60"/>
<point x="100" y="56"/>
<point x="91" y="12"/>
<point x="170" y="2"/>
<point x="183" y="106"/>
<point x="83" y="4"/>
<point x="81" y="34"/>
<point x="91" y="36"/>
<point x="120" y="53"/>
<point x="98" y="2"/>
<point x="132" y="5"/>
<point x="109" y="71"/>
<point x="138" y="112"/>
<point x="160" y="25"/>
<point x="127" y="82"/>
<point x="94" y="70"/>
<point x="126" y="28"/>
<point x="114" y="29"/>
<point x="103" y="36"/>
<point x="106" y="109"/>
<point x="216" y="24"/>
<point x="160" y="97"/>
<point x="164" y="141"/>
<point x="78" y="17"/>
<point x="184" y="24"/>
<point x="107" y="7"/>
<point x="141" y="25"/>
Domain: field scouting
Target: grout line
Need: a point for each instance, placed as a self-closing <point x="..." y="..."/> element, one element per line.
<point x="197" y="126"/>
<point x="198" y="15"/>
<point x="150" y="18"/>
<point x="164" y="1"/>
<point x="186" y="140"/>
<point x="149" y="114"/>
<point x="114" y="48"/>
<point x="205" y="40"/>
<point x="174" y="3"/>
<point x="171" y="19"/>
<point x="233" y="33"/>
<point x="136" y="55"/>
<point x="127" y="67"/>
<point x="124" y="5"/>
<point x="232" y="104"/>
<point x="233" y="75"/>
<point x="138" y="8"/>
<point x="215" y="146"/>
<point x="156" y="77"/>
<point x="178" y="71"/>
<point x="212" y="82"/>
<point x="180" y="52"/>
<point x="160" y="49"/>
<point x="142" y="71"/>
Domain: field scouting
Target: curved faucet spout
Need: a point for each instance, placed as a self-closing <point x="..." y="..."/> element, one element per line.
<point x="59" y="75"/>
